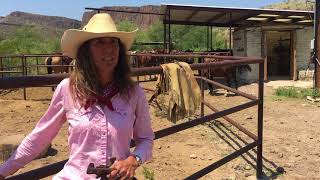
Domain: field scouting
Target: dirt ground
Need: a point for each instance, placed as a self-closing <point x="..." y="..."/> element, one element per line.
<point x="291" y="137"/>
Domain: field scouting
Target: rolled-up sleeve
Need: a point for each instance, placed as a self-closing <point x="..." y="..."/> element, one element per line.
<point x="41" y="136"/>
<point x="143" y="134"/>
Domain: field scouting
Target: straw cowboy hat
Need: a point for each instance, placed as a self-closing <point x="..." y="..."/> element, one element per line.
<point x="100" y="25"/>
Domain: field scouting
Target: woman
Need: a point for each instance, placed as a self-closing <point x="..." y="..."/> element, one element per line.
<point x="103" y="106"/>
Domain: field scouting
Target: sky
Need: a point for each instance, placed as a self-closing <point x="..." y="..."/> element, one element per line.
<point x="74" y="8"/>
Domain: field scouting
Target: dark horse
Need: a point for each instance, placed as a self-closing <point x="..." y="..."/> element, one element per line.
<point x="229" y="73"/>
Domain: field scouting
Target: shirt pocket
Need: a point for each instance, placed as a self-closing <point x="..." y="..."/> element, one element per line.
<point x="123" y="116"/>
<point x="81" y="120"/>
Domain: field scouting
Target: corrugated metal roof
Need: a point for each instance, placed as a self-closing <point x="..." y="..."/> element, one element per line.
<point x="228" y="16"/>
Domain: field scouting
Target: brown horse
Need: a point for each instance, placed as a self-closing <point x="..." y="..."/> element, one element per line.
<point x="147" y="60"/>
<point x="229" y="73"/>
<point x="189" y="60"/>
<point x="62" y="61"/>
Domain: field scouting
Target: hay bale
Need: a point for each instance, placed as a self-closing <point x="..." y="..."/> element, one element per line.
<point x="8" y="144"/>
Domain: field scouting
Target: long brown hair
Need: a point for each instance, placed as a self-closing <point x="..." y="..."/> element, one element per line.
<point x="85" y="80"/>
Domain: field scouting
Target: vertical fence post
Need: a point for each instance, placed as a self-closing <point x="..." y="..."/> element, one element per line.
<point x="1" y="66"/>
<point x="169" y="28"/>
<point x="23" y="61"/>
<point x="230" y="33"/>
<point x="317" y="45"/>
<point x="202" y="95"/>
<point x="200" y="60"/>
<point x="260" y="120"/>
<point x="37" y="60"/>
<point x="208" y="36"/>
<point x="25" y="65"/>
<point x="137" y="59"/>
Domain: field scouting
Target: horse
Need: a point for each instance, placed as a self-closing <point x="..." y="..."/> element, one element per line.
<point x="63" y="61"/>
<point x="147" y="60"/>
<point x="229" y="73"/>
<point x="189" y="60"/>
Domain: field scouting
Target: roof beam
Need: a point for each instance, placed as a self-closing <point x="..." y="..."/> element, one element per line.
<point x="294" y="20"/>
<point x="123" y="11"/>
<point x="191" y="15"/>
<point x="216" y="17"/>
<point x="198" y="23"/>
<point x="243" y="18"/>
<point x="242" y="10"/>
<point x="268" y="20"/>
<point x="270" y="23"/>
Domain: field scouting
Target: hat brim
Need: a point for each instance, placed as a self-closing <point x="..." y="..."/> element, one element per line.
<point x="72" y="39"/>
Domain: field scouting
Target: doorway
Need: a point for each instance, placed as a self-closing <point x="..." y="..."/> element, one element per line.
<point x="279" y="55"/>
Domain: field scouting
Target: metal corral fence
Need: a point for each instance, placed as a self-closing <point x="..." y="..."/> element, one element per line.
<point x="25" y="65"/>
<point x="33" y="64"/>
<point x="148" y="59"/>
<point x="35" y="81"/>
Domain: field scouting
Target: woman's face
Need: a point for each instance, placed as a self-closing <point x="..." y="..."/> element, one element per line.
<point x="105" y="53"/>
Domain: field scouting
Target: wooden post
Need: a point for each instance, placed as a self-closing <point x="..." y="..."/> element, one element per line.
<point x="264" y="53"/>
<point x="294" y="71"/>
<point x="317" y="45"/>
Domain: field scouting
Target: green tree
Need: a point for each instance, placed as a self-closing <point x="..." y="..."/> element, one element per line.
<point x="188" y="37"/>
<point x="155" y="32"/>
<point x="194" y="39"/>
<point x="28" y="40"/>
<point x="184" y="37"/>
<point x="128" y="26"/>
<point x="220" y="36"/>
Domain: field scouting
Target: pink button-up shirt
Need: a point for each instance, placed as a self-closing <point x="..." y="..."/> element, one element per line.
<point x="95" y="134"/>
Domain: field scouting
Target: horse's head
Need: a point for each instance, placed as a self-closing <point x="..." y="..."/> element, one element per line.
<point x="66" y="60"/>
<point x="244" y="68"/>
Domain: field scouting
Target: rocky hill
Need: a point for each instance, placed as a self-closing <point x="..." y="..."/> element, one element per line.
<point x="142" y="20"/>
<point x="293" y="5"/>
<point x="52" y="25"/>
<point x="41" y="20"/>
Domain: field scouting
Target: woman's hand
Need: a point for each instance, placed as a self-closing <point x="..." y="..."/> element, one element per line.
<point x="125" y="169"/>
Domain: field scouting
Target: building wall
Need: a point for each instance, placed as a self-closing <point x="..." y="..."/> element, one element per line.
<point x="303" y="52"/>
<point x="239" y="49"/>
<point x="253" y="49"/>
<point x="239" y="42"/>
<point x="250" y="41"/>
